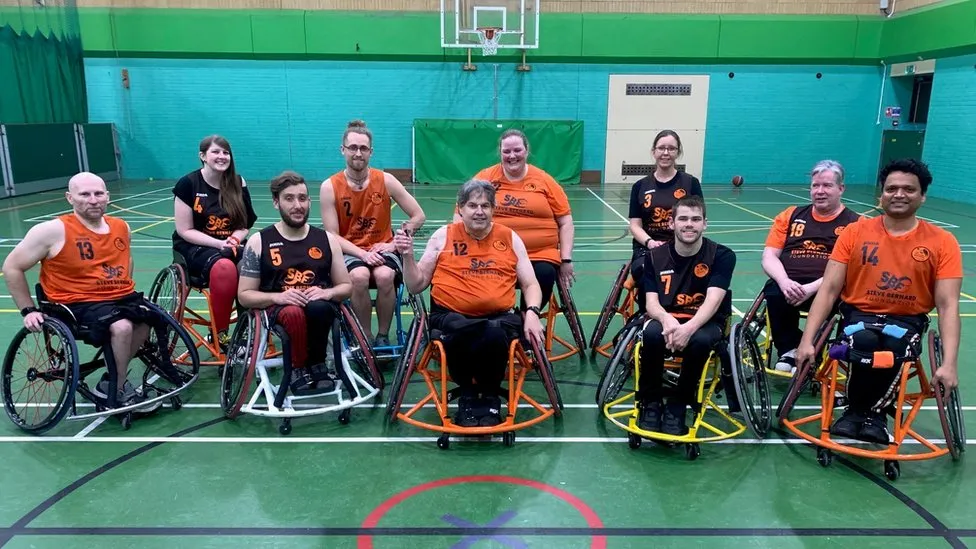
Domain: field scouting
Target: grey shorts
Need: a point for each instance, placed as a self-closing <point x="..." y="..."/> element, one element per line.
<point x="391" y="260"/>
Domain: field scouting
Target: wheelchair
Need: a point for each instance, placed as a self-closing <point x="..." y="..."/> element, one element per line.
<point x="567" y="307"/>
<point x="391" y="352"/>
<point x="46" y="369"/>
<point x="734" y="368"/>
<point x="349" y="364"/>
<point x="170" y="290"/>
<point x="424" y="354"/>
<point x="832" y="373"/>
<point x="624" y="285"/>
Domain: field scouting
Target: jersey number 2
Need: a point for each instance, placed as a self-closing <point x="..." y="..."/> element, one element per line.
<point x="85" y="250"/>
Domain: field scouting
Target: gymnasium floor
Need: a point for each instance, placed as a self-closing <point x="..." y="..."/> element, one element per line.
<point x="192" y="479"/>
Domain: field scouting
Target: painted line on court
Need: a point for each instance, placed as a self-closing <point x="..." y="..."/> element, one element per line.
<point x="41" y="217"/>
<point x="607" y="204"/>
<point x="851" y="200"/>
<point x="747" y="210"/>
<point x="91" y="427"/>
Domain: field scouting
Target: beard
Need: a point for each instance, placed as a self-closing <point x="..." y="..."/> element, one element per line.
<point x="287" y="218"/>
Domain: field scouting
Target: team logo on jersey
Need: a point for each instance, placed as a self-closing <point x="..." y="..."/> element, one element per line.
<point x="838" y="230"/>
<point x="530" y="187"/>
<point x="921" y="254"/>
<point x="660" y="215"/>
<point x="701" y="270"/>
<point x="679" y="193"/>
<point x="499" y="245"/>
<point x="689" y="300"/>
<point x="294" y="277"/>
<point x="314" y="252"/>
<point x="217" y="223"/>
<point x="812" y="246"/>
<point x="376" y="198"/>
<point x="892" y="282"/>
<point x="111" y="272"/>
<point x="119" y="244"/>
<point x="510" y="201"/>
<point x="479" y="265"/>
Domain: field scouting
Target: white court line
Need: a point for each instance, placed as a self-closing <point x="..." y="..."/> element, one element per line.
<point x="40" y="217"/>
<point x="612" y="209"/>
<point x="807" y="198"/>
<point x="91" y="427"/>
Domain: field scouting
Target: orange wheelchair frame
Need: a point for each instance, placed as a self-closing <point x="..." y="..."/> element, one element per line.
<point x="832" y="374"/>
<point x="612" y="306"/>
<point x="432" y="366"/>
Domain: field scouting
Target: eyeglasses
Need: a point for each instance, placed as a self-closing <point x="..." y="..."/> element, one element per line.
<point x="671" y="150"/>
<point x="358" y="148"/>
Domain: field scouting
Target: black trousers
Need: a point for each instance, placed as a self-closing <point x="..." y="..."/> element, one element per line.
<point x="637" y="272"/>
<point x="694" y="358"/>
<point x="784" y="318"/>
<point x="546" y="273"/>
<point x="476" y="347"/>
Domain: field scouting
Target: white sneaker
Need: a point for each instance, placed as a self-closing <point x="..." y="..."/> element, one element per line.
<point x="787" y="361"/>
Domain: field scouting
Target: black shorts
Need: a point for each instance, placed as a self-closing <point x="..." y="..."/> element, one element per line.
<point x="92" y="319"/>
<point x="197" y="260"/>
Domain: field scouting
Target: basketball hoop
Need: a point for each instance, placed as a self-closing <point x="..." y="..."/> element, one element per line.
<point x="489" y="37"/>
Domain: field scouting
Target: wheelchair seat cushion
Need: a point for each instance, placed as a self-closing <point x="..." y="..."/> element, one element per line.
<point x="92" y="319"/>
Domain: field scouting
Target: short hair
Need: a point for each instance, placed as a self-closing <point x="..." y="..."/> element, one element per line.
<point x="357" y="126"/>
<point x="689" y="201"/>
<point x="283" y="181"/>
<point x="513" y="132"/>
<point x="908" y="165"/>
<point x="829" y="166"/>
<point x="476" y="186"/>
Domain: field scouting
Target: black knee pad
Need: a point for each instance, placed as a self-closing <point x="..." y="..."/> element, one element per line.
<point x="320" y="309"/>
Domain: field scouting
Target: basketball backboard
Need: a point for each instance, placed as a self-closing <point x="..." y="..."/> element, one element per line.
<point x="517" y="19"/>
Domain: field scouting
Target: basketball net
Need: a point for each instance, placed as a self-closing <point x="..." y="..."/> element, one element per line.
<point x="489" y="37"/>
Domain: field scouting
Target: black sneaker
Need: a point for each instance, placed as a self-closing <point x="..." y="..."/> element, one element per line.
<point x="848" y="425"/>
<point x="875" y="429"/>
<point x="649" y="417"/>
<point x="491" y="408"/>
<point x="675" y="419"/>
<point x="465" y="416"/>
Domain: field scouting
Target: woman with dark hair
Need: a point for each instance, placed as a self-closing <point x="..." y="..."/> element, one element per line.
<point x="651" y="201"/>
<point x="213" y="214"/>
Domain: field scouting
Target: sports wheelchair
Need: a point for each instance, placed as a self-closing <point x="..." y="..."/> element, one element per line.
<point x="392" y="351"/>
<point x="832" y="373"/>
<point x="170" y="290"/>
<point x="734" y="367"/>
<point x="425" y="354"/>
<point x="349" y="364"/>
<point x="565" y="305"/>
<point x="45" y="368"/>
<point x="624" y="285"/>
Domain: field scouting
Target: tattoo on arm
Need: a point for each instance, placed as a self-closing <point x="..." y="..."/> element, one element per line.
<point x="250" y="264"/>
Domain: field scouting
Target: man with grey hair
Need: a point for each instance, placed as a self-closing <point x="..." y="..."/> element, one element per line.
<point x="796" y="253"/>
<point x="474" y="267"/>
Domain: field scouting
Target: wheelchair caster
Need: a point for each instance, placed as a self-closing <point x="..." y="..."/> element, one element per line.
<point x="444" y="442"/>
<point x="176" y="402"/>
<point x="692" y="451"/>
<point x="634" y="441"/>
<point x="126" y="421"/>
<point x="285" y="427"/>
<point x="508" y="439"/>
<point x="892" y="470"/>
<point x="344" y="417"/>
<point x="824" y="457"/>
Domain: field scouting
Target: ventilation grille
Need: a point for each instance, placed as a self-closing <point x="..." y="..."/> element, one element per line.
<point x="658" y="89"/>
<point x="643" y="169"/>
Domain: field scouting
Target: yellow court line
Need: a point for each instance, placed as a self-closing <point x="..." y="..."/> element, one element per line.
<point x="151" y="225"/>
<point x="747" y="210"/>
<point x="967" y="296"/>
<point x="147" y="214"/>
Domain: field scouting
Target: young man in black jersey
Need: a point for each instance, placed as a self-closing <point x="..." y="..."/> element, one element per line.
<point x="296" y="272"/>
<point x="688" y="303"/>
<point x="797" y="248"/>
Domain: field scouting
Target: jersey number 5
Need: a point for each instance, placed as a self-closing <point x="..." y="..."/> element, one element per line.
<point x="869" y="256"/>
<point x="275" y="256"/>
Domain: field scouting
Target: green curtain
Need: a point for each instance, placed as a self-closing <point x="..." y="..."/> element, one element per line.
<point x="43" y="79"/>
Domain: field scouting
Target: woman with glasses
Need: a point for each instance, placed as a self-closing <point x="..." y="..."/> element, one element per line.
<point x="651" y="200"/>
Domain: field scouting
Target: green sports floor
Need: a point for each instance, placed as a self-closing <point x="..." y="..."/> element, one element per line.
<point x="190" y="478"/>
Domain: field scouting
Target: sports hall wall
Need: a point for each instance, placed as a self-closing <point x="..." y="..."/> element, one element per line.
<point x="281" y="83"/>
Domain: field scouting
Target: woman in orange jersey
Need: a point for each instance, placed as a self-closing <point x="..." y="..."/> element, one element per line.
<point x="213" y="214"/>
<point x="889" y="271"/>
<point x="535" y="206"/>
<point x="651" y="201"/>
<point x="474" y="267"/>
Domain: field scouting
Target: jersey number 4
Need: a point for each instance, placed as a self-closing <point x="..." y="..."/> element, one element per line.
<point x="197" y="206"/>
<point x="869" y="255"/>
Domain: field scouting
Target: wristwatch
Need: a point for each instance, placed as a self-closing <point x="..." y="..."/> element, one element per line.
<point x="28" y="310"/>
<point x="536" y="310"/>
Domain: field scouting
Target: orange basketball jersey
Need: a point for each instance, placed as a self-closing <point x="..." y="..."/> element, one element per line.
<point x="530" y="208"/>
<point x="90" y="266"/>
<point x="364" y="216"/>
<point x="476" y="277"/>
<point x="895" y="275"/>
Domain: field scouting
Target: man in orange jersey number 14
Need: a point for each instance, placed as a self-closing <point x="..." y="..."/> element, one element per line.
<point x="889" y="271"/>
<point x="86" y="265"/>
<point x="474" y="267"/>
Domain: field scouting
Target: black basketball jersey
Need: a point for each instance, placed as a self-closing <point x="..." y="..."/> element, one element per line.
<point x="655" y="201"/>
<point x="809" y="242"/>
<point x="683" y="282"/>
<point x="296" y="264"/>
